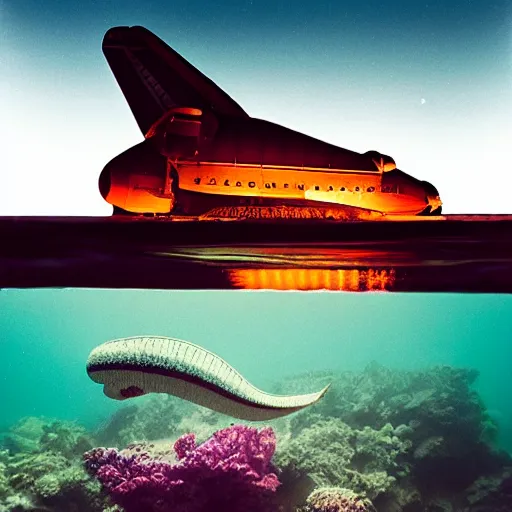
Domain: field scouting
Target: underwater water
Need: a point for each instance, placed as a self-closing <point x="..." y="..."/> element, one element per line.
<point x="420" y="385"/>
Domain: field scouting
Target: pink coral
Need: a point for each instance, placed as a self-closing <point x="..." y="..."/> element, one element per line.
<point x="184" y="445"/>
<point x="230" y="471"/>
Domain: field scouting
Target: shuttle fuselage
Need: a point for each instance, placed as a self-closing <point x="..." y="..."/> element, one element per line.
<point x="203" y="155"/>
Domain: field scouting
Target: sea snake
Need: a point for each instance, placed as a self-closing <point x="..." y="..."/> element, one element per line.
<point x="138" y="365"/>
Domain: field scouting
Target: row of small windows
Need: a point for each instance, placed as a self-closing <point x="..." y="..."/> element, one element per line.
<point x="271" y="185"/>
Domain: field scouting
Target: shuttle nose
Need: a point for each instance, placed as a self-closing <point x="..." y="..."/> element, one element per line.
<point x="105" y="182"/>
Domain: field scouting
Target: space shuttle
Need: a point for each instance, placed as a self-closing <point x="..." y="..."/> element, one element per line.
<point x="204" y="157"/>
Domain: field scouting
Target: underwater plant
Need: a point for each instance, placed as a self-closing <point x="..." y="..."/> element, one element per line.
<point x="230" y="471"/>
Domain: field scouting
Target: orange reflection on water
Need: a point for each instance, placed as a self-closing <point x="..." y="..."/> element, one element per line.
<point x="313" y="279"/>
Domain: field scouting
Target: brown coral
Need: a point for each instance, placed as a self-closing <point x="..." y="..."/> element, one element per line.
<point x="336" y="499"/>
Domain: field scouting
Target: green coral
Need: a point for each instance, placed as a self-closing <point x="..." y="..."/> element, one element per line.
<point x="25" y="469"/>
<point x="18" y="503"/>
<point x="153" y="417"/>
<point x="70" y="486"/>
<point x="334" y="454"/>
<point x="53" y="484"/>
<point x="51" y="480"/>
<point x="66" y="438"/>
<point x="378" y="449"/>
<point x="436" y="409"/>
<point x="5" y="488"/>
<point x="24" y="436"/>
<point x="336" y="499"/>
<point x="33" y="435"/>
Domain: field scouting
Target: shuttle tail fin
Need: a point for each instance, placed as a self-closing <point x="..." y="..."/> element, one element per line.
<point x="154" y="78"/>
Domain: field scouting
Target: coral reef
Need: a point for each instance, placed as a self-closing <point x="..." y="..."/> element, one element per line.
<point x="336" y="499"/>
<point x="43" y="471"/>
<point x="380" y="439"/>
<point x="18" y="503"/>
<point x="31" y="435"/>
<point x="24" y="436"/>
<point x="231" y="470"/>
<point x="66" y="438"/>
<point x="333" y="454"/>
<point x="439" y="399"/>
<point x="492" y="493"/>
<point x="153" y="417"/>
<point x="48" y="479"/>
<point x="435" y="411"/>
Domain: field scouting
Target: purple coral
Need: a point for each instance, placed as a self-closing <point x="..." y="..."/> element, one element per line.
<point x="230" y="471"/>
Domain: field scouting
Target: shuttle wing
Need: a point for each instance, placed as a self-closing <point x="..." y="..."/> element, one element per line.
<point x="154" y="78"/>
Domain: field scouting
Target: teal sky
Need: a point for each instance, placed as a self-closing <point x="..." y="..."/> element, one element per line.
<point x="428" y="83"/>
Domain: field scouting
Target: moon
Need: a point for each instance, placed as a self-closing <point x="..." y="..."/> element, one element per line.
<point x="423" y="101"/>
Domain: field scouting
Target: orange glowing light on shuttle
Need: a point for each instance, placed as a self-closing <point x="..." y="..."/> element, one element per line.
<point x="138" y="193"/>
<point x="351" y="280"/>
